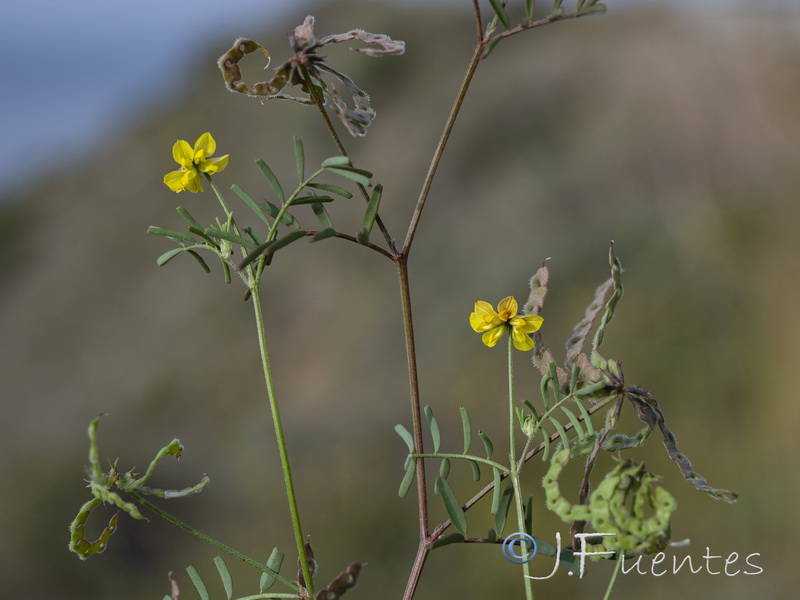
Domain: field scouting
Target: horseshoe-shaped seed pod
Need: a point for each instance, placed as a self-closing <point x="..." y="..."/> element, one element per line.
<point x="78" y="542"/>
<point x="555" y="501"/>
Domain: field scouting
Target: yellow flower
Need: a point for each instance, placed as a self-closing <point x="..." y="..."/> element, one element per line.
<point x="494" y="324"/>
<point x="194" y="161"/>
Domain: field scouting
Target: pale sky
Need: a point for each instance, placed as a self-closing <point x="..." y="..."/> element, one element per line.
<point x="55" y="54"/>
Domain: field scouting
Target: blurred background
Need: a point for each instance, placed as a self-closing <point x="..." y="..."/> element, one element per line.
<point x="669" y="128"/>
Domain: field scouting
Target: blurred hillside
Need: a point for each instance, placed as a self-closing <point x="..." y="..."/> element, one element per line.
<point x="677" y="137"/>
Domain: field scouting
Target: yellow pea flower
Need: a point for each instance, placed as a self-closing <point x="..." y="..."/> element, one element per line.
<point x="495" y="324"/>
<point x="194" y="161"/>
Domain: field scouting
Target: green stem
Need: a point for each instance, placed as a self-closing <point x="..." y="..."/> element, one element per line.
<point x="219" y="197"/>
<point x="282" y="211"/>
<point x="284" y="456"/>
<point x="225" y="548"/>
<point x="514" y="473"/>
<point x="526" y="569"/>
<point x="511" y="428"/>
<point x="485" y="461"/>
<point x="613" y="580"/>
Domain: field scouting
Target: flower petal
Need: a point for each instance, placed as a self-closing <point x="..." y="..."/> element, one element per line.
<point x="484" y="308"/>
<point x="182" y="153"/>
<point x="174" y="181"/>
<point x="521" y="341"/>
<point x="484" y="317"/>
<point x="192" y="181"/>
<point x="527" y="323"/>
<point x="213" y="165"/>
<point x="491" y="337"/>
<point x="507" y="308"/>
<point x="204" y="147"/>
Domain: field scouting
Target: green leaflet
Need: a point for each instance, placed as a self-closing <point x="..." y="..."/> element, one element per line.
<point x="329" y="187"/>
<point x="408" y="478"/>
<point x="272" y="179"/>
<point x="268" y="249"/>
<point x="187" y="217"/>
<point x="502" y="510"/>
<point x="528" y="514"/>
<point x="322" y="215"/>
<point x="467" y="428"/>
<point x="202" y="233"/>
<point x="252" y="204"/>
<point x="273" y="563"/>
<point x="336" y="161"/>
<point x="529" y="9"/>
<point x="358" y="175"/>
<point x="274" y="211"/>
<point x="284" y="241"/>
<point x="500" y="12"/>
<point x="487" y="443"/>
<point x="231" y="237"/>
<point x="311" y="199"/>
<point x="444" y="468"/>
<point x="476" y="470"/>
<point x="434" y="426"/>
<point x="372" y="208"/>
<point x="201" y="262"/>
<point x="561" y="432"/>
<point x="576" y="424"/>
<point x="198" y="582"/>
<point x="177" y="236"/>
<point x="452" y="506"/>
<point x="405" y="436"/>
<point x="546" y="442"/>
<point x="496" y="491"/>
<point x="168" y="256"/>
<point x="324" y="235"/>
<point x="225" y="576"/>
<point x="299" y="158"/>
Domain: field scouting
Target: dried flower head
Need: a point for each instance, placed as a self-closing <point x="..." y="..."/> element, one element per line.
<point x="306" y="69"/>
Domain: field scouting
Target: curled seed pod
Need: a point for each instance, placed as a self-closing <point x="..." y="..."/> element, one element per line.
<point x="555" y="501"/>
<point x="232" y="74"/>
<point x="78" y="542"/>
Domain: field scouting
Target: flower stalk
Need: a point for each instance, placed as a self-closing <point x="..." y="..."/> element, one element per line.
<point x="281" y="440"/>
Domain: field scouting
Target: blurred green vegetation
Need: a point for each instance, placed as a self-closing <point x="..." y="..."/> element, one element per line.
<point x="677" y="136"/>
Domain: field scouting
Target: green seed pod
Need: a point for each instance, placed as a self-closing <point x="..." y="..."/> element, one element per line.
<point x="555" y="501"/>
<point x="78" y="543"/>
